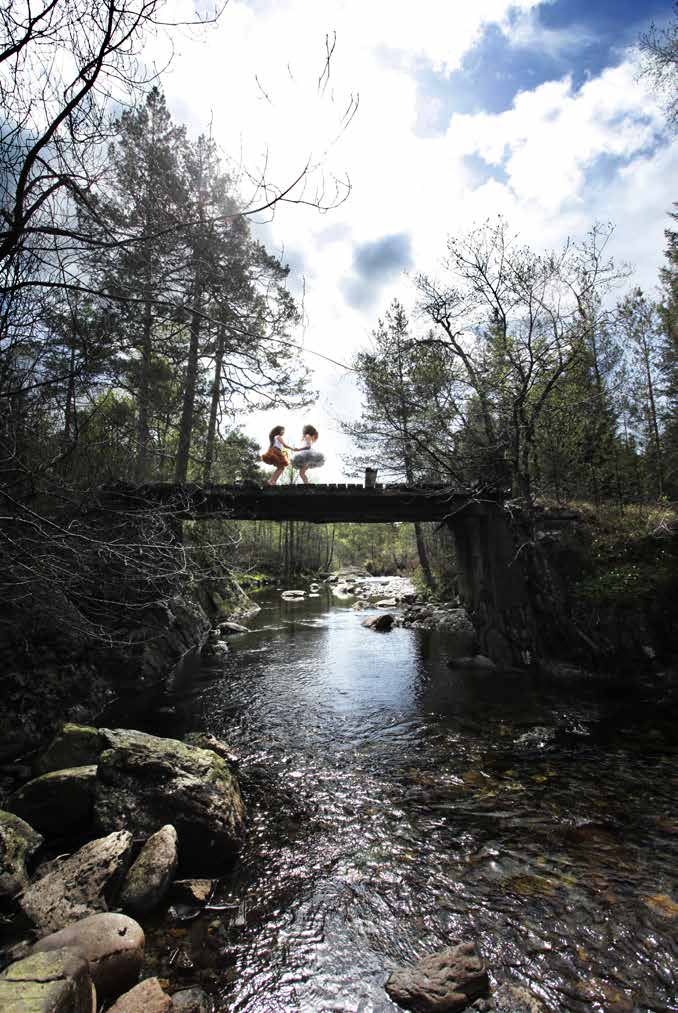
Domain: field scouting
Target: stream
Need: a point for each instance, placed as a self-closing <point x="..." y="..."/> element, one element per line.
<point x="396" y="804"/>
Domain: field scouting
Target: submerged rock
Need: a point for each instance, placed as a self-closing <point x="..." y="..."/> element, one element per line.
<point x="146" y="997"/>
<point x="149" y="878"/>
<point x="57" y="982"/>
<point x="57" y="803"/>
<point x="517" y="998"/>
<point x="113" y="944"/>
<point x="382" y="623"/>
<point x="145" y="782"/>
<point x="445" y="981"/>
<point x="80" y="885"/>
<point x="18" y="843"/>
<point x="478" y="661"/>
<point x="215" y="648"/>
<point x="192" y="891"/>
<point x="191" y="1000"/>
<point x="229" y="629"/>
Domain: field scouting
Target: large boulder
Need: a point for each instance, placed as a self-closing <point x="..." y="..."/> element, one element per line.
<point x="112" y="943"/>
<point x="441" y="983"/>
<point x="80" y="885"/>
<point x="145" y="782"/>
<point x="57" y="982"/>
<point x="73" y="746"/>
<point x="382" y="623"/>
<point x="148" y="880"/>
<point x="147" y="996"/>
<point x="57" y="803"/>
<point x="18" y="843"/>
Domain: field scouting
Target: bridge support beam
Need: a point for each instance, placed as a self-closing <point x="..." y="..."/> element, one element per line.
<point x="494" y="584"/>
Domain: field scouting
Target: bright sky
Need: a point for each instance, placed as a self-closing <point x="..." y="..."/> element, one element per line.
<point x="466" y="110"/>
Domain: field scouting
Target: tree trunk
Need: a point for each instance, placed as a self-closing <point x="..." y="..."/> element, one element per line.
<point x="70" y="420"/>
<point x="143" y="412"/>
<point x="190" y="383"/>
<point x="329" y="558"/>
<point x="418" y="533"/>
<point x="214" y="408"/>
<point x="653" y="422"/>
<point x="423" y="556"/>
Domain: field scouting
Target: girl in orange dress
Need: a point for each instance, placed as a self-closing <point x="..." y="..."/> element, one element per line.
<point x="277" y="453"/>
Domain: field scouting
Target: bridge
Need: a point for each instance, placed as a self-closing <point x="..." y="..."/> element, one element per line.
<point x="318" y="504"/>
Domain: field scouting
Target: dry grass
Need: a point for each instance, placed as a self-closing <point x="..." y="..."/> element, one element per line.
<point x="632" y="554"/>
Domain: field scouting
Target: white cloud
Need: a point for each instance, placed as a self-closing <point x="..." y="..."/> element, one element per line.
<point x="529" y="32"/>
<point x="553" y="135"/>
<point x="549" y="145"/>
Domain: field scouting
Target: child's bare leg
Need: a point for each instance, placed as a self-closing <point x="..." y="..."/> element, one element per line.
<point x="275" y="476"/>
<point x="302" y="474"/>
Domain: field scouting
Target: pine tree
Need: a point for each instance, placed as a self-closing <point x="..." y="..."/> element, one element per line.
<point x="146" y="205"/>
<point x="238" y="311"/>
<point x="639" y="325"/>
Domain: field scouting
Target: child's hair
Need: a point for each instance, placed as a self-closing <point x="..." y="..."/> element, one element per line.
<point x="311" y="431"/>
<point x="276" y="431"/>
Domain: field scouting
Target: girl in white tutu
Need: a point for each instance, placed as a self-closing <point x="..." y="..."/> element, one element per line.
<point x="309" y="456"/>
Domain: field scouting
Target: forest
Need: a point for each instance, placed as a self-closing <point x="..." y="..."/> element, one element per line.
<point x="141" y="320"/>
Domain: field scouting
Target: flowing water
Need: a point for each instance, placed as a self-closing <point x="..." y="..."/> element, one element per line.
<point x="396" y="804"/>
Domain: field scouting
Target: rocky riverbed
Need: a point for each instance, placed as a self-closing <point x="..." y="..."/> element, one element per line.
<point x="72" y="912"/>
<point x="412" y="610"/>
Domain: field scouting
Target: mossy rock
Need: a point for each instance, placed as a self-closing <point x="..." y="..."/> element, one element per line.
<point x="18" y="843"/>
<point x="83" y="884"/>
<point x="145" y="782"/>
<point x="57" y="803"/>
<point x="73" y="746"/>
<point x="56" y="982"/>
<point x="149" y="878"/>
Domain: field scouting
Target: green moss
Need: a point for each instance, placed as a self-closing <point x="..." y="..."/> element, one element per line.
<point x="74" y="746"/>
<point x="252" y="581"/>
<point x="55" y="980"/>
<point x="56" y="802"/>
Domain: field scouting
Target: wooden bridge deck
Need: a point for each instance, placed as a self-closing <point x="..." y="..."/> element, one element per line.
<point x="319" y="504"/>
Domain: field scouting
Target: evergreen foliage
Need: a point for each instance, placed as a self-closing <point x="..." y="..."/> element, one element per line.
<point x="530" y="377"/>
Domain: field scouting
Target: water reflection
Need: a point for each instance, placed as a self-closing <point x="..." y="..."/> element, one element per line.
<point x="396" y="803"/>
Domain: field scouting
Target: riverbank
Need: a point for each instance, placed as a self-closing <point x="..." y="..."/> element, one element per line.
<point x="576" y="585"/>
<point x="53" y="670"/>
<point x="90" y="847"/>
